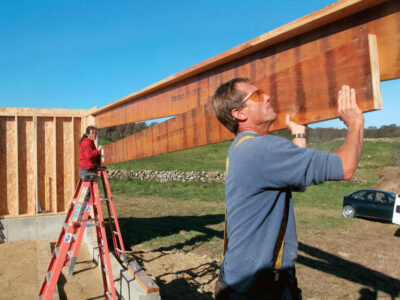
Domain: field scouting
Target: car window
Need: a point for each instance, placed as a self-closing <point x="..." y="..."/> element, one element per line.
<point x="383" y="198"/>
<point x="369" y="196"/>
<point x="391" y="199"/>
<point x="361" y="195"/>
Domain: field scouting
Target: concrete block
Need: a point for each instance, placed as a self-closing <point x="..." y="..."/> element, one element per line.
<point x="125" y="284"/>
<point x="33" y="228"/>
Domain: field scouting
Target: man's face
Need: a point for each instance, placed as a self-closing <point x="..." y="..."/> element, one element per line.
<point x="259" y="113"/>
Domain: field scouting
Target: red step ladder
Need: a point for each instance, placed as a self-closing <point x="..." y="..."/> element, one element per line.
<point x="77" y="219"/>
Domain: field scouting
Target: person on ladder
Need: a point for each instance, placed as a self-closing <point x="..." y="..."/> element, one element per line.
<point x="89" y="155"/>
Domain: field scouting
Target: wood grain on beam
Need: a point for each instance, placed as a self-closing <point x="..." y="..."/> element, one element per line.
<point x="263" y="56"/>
<point x="308" y="91"/>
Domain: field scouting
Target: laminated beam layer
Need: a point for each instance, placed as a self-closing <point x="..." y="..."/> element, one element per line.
<point x="307" y="91"/>
<point x="264" y="56"/>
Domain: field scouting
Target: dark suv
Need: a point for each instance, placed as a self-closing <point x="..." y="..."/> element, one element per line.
<point x="374" y="204"/>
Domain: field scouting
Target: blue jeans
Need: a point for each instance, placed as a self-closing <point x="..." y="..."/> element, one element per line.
<point x="81" y="174"/>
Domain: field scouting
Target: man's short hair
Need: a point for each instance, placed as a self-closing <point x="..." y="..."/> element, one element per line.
<point x="226" y="98"/>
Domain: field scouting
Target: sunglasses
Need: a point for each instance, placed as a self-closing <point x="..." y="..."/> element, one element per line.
<point x="256" y="96"/>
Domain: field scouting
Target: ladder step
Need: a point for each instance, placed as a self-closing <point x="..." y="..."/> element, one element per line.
<point x="75" y="236"/>
<point x="90" y="225"/>
<point x="84" y="220"/>
<point x="41" y="298"/>
<point x="108" y="294"/>
<point x="48" y="276"/>
<point x="119" y="250"/>
<point x="65" y="226"/>
<point x="104" y="199"/>
<point x="56" y="251"/>
<point x="115" y="232"/>
<point x="69" y="253"/>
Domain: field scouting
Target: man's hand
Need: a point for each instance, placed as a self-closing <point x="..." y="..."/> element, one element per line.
<point x="348" y="110"/>
<point x="99" y="148"/>
<point x="352" y="117"/>
<point x="294" y="127"/>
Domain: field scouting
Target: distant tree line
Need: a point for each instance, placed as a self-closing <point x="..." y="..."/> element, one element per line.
<point x="317" y="135"/>
<point x="314" y="135"/>
<point x="114" y="133"/>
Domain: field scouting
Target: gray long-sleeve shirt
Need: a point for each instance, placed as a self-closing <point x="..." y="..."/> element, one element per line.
<point x="261" y="172"/>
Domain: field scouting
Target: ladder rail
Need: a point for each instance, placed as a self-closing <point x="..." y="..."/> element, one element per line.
<point x="102" y="240"/>
<point x="82" y="219"/>
<point x="60" y="253"/>
<point x="70" y="238"/>
<point x="112" y="215"/>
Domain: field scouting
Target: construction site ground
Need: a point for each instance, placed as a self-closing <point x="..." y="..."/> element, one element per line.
<point x="361" y="261"/>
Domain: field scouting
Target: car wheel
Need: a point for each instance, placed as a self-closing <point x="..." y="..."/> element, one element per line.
<point x="349" y="211"/>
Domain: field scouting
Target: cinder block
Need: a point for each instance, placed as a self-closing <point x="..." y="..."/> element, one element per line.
<point x="33" y="228"/>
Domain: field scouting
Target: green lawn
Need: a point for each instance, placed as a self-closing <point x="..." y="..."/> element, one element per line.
<point x="206" y="158"/>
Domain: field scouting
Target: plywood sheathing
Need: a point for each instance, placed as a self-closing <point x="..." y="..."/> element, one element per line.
<point x="45" y="148"/>
<point x="35" y="143"/>
<point x="307" y="91"/>
<point x="78" y="131"/>
<point x="65" y="168"/>
<point x="263" y="56"/>
<point x="8" y="157"/>
<point x="26" y="164"/>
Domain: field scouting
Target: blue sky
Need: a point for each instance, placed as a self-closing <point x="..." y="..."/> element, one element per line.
<point x="80" y="54"/>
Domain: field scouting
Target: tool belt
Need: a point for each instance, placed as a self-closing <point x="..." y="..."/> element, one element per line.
<point x="88" y="170"/>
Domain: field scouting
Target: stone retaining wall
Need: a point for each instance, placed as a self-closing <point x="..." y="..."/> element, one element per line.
<point x="165" y="176"/>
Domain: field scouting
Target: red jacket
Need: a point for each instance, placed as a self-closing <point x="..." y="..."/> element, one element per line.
<point x="89" y="155"/>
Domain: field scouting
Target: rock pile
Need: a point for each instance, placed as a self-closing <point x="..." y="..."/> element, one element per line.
<point x="165" y="176"/>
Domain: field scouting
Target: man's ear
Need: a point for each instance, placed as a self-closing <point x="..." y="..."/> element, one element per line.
<point x="239" y="114"/>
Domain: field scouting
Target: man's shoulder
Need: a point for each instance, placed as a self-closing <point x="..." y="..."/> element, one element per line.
<point x="251" y="142"/>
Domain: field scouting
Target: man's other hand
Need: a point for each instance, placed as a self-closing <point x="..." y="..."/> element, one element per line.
<point x="348" y="110"/>
<point x="294" y="127"/>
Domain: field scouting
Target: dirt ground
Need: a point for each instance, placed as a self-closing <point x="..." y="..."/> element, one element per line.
<point x="19" y="274"/>
<point x="357" y="262"/>
<point x="361" y="263"/>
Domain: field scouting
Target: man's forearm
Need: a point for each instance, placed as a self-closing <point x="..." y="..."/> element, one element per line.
<point x="350" y="151"/>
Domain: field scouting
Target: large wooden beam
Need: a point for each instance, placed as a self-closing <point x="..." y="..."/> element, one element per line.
<point x="264" y="56"/>
<point x="307" y="91"/>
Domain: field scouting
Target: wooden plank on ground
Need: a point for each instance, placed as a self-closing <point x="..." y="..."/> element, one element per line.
<point x="261" y="57"/>
<point x="143" y="279"/>
<point x="307" y="91"/>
